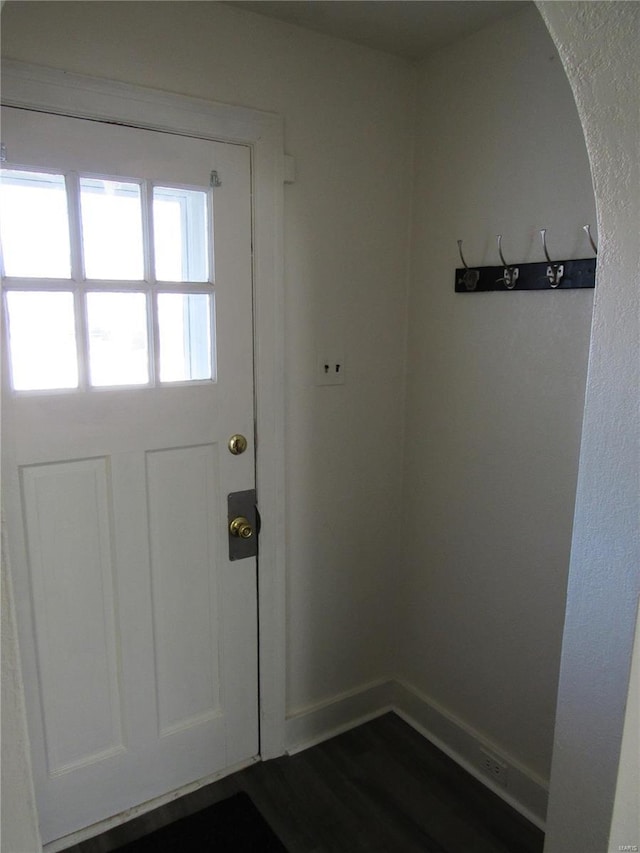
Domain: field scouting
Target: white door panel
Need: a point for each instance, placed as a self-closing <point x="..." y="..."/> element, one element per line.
<point x="68" y="518"/>
<point x="138" y="635"/>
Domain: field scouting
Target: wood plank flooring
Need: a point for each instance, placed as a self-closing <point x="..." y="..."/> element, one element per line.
<point x="380" y="788"/>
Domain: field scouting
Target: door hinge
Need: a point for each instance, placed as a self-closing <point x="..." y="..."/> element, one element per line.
<point x="3" y="152"/>
<point x="215" y="179"/>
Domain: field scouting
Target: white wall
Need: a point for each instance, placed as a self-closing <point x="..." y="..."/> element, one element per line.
<point x="598" y="43"/>
<point x="346" y="223"/>
<point x="495" y="387"/>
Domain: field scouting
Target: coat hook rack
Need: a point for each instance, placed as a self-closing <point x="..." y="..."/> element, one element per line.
<point x="545" y="275"/>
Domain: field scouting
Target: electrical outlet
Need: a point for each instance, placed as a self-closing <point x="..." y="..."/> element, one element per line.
<point x="494" y="767"/>
<point x="330" y="371"/>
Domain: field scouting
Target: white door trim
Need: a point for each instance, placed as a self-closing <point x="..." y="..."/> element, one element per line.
<point x="54" y="91"/>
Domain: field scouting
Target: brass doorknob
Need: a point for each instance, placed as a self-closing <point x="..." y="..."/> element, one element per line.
<point x="237" y="444"/>
<point x="241" y="527"/>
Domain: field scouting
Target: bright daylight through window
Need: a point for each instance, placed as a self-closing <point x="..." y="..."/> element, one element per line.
<point x="106" y="283"/>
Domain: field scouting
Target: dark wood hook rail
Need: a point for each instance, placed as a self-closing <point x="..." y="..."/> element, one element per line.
<point x="534" y="276"/>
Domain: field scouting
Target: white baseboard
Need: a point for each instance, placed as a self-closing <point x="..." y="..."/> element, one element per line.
<point x="325" y="720"/>
<point x="525" y="791"/>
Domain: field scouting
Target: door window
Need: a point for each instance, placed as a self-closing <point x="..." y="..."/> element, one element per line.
<point x="112" y="245"/>
<point x="34" y="225"/>
<point x="43" y="339"/>
<point x="108" y="281"/>
<point x="180" y="231"/>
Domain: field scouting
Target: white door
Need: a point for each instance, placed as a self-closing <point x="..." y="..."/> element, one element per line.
<point x="128" y="366"/>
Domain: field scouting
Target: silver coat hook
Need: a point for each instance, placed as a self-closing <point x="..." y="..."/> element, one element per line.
<point x="504" y="263"/>
<point x="587" y="230"/>
<point x="464" y="263"/>
<point x="543" y="234"/>
<point x="510" y="274"/>
<point x="555" y="271"/>
<point x="470" y="277"/>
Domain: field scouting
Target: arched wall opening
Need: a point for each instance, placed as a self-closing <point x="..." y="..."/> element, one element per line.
<point x="598" y="46"/>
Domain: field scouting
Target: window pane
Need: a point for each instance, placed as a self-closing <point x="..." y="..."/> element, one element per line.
<point x="184" y="321"/>
<point x="118" y="345"/>
<point x="34" y="225"/>
<point x="181" y="236"/>
<point x="42" y="340"/>
<point x="111" y="230"/>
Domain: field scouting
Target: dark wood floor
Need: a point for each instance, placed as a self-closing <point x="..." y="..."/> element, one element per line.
<point x="380" y="788"/>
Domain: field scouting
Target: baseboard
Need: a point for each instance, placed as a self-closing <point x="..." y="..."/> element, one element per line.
<point x="525" y="791"/>
<point x="314" y="724"/>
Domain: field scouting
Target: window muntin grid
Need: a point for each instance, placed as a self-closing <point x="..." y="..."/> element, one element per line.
<point x="133" y="328"/>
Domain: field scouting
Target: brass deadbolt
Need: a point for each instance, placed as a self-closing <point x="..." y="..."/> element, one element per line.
<point x="241" y="527"/>
<point x="237" y="444"/>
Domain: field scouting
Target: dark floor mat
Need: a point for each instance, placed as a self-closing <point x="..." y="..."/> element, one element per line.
<point x="230" y="826"/>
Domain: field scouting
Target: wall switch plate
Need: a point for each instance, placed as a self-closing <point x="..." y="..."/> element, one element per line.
<point x="330" y="370"/>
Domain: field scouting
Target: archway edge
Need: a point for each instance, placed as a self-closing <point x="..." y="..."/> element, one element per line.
<point x="597" y="43"/>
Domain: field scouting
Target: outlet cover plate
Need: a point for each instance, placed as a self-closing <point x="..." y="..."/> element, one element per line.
<point x="494" y="767"/>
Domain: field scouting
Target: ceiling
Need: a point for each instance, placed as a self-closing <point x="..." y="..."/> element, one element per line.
<point x="412" y="29"/>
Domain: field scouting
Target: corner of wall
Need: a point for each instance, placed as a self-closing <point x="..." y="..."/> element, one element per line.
<point x="524" y="790"/>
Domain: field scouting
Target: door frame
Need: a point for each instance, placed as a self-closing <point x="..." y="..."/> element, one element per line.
<point x="53" y="91"/>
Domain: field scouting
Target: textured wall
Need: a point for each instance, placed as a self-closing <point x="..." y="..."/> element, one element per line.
<point x="598" y="43"/>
